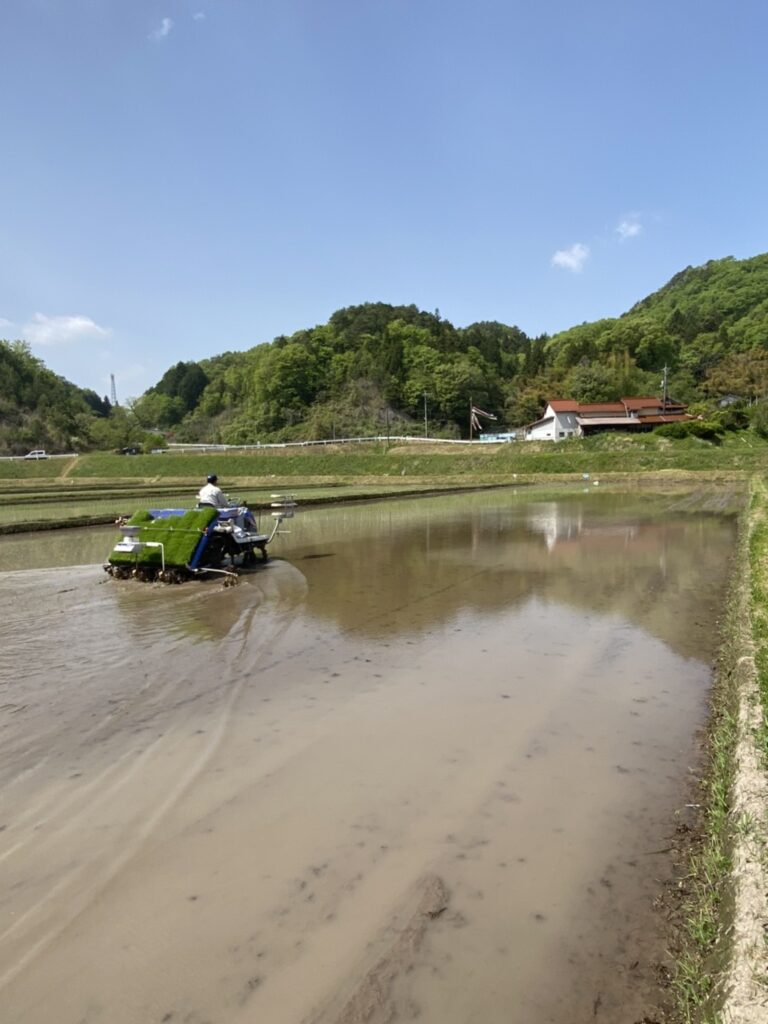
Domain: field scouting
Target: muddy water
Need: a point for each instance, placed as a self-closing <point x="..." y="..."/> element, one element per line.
<point x="426" y="767"/>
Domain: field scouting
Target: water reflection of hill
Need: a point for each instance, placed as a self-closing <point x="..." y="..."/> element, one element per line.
<point x="441" y="559"/>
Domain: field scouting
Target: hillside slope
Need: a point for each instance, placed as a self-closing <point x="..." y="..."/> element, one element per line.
<point x="707" y="323"/>
<point x="376" y="365"/>
<point x="376" y="368"/>
<point x="39" y="409"/>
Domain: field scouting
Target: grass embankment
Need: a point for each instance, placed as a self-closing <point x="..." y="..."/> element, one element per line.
<point x="722" y="955"/>
<point x="602" y="454"/>
<point x="97" y="487"/>
<point x="35" y="469"/>
<point x="759" y="573"/>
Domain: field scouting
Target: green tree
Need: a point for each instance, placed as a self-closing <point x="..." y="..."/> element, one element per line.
<point x="744" y="374"/>
<point x="592" y="383"/>
<point x="286" y="384"/>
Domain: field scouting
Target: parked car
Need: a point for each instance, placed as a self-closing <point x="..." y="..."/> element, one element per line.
<point x="38" y="453"/>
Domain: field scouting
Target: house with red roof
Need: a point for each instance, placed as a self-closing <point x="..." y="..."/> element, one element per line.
<point x="564" y="418"/>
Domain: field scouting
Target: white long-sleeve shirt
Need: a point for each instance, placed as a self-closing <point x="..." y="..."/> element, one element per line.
<point x="212" y="495"/>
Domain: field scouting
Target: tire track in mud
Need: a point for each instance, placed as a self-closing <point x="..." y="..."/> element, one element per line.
<point x="610" y="652"/>
<point x="129" y="707"/>
<point x="383" y="887"/>
<point x="355" y="894"/>
<point x="369" y="998"/>
<point x="42" y="682"/>
<point x="96" y="831"/>
<point x="393" y="831"/>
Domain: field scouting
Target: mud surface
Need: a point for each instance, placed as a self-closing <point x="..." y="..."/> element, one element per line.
<point x="425" y="768"/>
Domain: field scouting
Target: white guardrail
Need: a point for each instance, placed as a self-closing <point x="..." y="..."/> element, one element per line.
<point x="306" y="444"/>
<point x="42" y="458"/>
<point x="389" y="438"/>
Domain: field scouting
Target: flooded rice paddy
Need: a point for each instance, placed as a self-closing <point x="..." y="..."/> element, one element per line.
<point x="425" y="767"/>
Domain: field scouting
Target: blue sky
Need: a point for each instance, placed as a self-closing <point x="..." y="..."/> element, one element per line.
<point x="184" y="177"/>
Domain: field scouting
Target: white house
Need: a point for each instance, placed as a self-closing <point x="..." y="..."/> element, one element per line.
<point x="565" y="418"/>
<point x="557" y="423"/>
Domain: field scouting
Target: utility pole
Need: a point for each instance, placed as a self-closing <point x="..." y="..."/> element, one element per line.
<point x="665" y="390"/>
<point x="426" y="433"/>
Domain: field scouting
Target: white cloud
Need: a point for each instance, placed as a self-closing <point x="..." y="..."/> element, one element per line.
<point x="160" y="33"/>
<point x="572" y="259"/>
<point x="62" y="330"/>
<point x="629" y="227"/>
<point x="5" y="323"/>
<point x="199" y="16"/>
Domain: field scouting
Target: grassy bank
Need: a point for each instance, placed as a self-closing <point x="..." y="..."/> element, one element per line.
<point x="101" y="486"/>
<point x="722" y="911"/>
<point x="603" y="454"/>
<point x="758" y="561"/>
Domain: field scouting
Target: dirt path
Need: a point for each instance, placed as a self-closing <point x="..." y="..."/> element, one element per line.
<point x="746" y="981"/>
<point x="67" y="469"/>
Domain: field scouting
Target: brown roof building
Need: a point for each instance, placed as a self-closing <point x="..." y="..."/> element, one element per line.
<point x="564" y="418"/>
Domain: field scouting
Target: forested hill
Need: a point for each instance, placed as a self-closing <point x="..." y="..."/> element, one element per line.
<point x="374" y="367"/>
<point x="38" y="409"/>
<point x="709" y="324"/>
<point x="373" y="364"/>
<point x="368" y="366"/>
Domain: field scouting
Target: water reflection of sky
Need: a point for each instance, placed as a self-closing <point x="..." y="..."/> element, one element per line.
<point x="386" y="570"/>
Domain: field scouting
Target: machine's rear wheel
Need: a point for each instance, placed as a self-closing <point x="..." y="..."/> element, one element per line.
<point x="214" y="553"/>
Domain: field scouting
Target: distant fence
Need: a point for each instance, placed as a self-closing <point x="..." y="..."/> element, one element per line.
<point x="387" y="438"/>
<point x="21" y="458"/>
<point x="380" y="438"/>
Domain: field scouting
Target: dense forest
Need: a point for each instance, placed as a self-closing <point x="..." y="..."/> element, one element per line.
<point x="375" y="367"/>
<point x="38" y="409"/>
